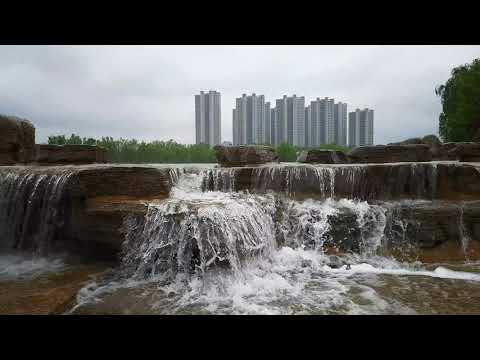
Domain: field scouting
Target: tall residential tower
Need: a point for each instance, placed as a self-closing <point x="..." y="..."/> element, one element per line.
<point x="208" y="118"/>
<point x="360" y="127"/>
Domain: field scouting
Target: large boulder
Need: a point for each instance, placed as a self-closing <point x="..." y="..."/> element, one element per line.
<point x="322" y="157"/>
<point x="17" y="140"/>
<point x="70" y="154"/>
<point x="466" y="152"/>
<point x="390" y="154"/>
<point x="244" y="155"/>
<point x="431" y="140"/>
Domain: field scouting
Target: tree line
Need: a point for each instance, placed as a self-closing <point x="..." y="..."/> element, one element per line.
<point x="134" y="151"/>
<point x="460" y="96"/>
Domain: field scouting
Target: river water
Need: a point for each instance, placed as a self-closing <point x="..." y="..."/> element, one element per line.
<point x="226" y="252"/>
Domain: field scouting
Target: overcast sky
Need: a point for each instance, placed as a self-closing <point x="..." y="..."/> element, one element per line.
<point x="147" y="92"/>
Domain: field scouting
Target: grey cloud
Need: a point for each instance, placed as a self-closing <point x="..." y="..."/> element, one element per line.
<point x="147" y="92"/>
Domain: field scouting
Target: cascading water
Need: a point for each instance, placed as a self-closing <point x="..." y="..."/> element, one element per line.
<point x="32" y="208"/>
<point x="261" y="240"/>
<point x="192" y="231"/>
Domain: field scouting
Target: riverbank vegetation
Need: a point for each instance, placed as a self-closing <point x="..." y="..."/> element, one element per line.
<point x="134" y="151"/>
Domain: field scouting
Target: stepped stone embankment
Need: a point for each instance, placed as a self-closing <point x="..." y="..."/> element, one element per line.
<point x="373" y="182"/>
<point x="91" y="202"/>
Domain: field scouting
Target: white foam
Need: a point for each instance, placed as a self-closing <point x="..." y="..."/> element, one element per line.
<point x="25" y="266"/>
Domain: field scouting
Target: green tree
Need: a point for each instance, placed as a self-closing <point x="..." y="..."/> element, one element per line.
<point x="460" y="96"/>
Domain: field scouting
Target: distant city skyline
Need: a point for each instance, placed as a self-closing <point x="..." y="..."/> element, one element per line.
<point x="145" y="92"/>
<point x="292" y="121"/>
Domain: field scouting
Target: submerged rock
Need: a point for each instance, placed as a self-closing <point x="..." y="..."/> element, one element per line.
<point x="244" y="155"/>
<point x="322" y="157"/>
<point x="17" y="140"/>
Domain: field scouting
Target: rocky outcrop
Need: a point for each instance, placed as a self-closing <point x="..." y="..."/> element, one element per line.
<point x="390" y="154"/>
<point x="450" y="181"/>
<point x="70" y="154"/>
<point x="244" y="155"/>
<point x="17" y="140"/>
<point x="79" y="208"/>
<point x="466" y="152"/>
<point x="322" y="157"/>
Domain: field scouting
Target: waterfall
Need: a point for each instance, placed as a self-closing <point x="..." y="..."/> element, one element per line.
<point x="359" y="182"/>
<point x="463" y="233"/>
<point x="32" y="209"/>
<point x="192" y="231"/>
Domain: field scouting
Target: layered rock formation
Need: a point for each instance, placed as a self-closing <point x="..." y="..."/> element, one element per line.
<point x="461" y="151"/>
<point x="77" y="208"/>
<point x="317" y="156"/>
<point x="17" y="140"/>
<point x="244" y="155"/>
<point x="390" y="153"/>
<point x="451" y="181"/>
<point x="70" y="154"/>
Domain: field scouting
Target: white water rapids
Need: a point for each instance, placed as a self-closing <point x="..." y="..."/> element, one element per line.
<point x="240" y="253"/>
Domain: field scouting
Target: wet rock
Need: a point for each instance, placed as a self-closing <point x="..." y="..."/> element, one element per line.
<point x="344" y="233"/>
<point x="335" y="262"/>
<point x="70" y="154"/>
<point x="465" y="152"/>
<point x="390" y="154"/>
<point x="78" y="209"/>
<point x="449" y="181"/>
<point x="17" y="140"/>
<point x="244" y="155"/>
<point x="322" y="157"/>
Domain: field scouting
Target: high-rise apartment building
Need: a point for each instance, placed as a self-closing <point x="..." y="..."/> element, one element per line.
<point x="321" y="122"/>
<point x="340" y="124"/>
<point x="208" y="118"/>
<point x="360" y="127"/>
<point x="274" y="127"/>
<point x="290" y="120"/>
<point x="249" y="120"/>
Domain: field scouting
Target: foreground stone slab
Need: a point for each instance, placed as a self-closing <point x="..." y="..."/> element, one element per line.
<point x="17" y="140"/>
<point x="244" y="155"/>
<point x="70" y="154"/>
<point x="390" y="154"/>
<point x="322" y="157"/>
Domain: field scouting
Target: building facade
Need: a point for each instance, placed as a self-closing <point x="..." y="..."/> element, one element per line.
<point x="248" y="119"/>
<point x="360" y="127"/>
<point x="208" y="118"/>
<point x="290" y="120"/>
<point x="340" y="124"/>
